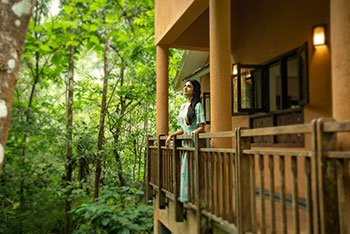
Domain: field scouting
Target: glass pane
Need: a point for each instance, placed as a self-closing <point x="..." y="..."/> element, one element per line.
<point x="235" y="95"/>
<point x="293" y="82"/>
<point x="207" y="107"/>
<point x="275" y="87"/>
<point x="246" y="88"/>
<point x="257" y="84"/>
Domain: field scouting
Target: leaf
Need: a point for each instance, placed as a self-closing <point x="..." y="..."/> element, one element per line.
<point x="105" y="221"/>
<point x="94" y="39"/>
<point x="68" y="9"/>
<point x="45" y="48"/>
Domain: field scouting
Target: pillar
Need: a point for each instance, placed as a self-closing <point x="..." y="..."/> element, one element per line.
<point x="220" y="68"/>
<point x="340" y="55"/>
<point x="162" y="92"/>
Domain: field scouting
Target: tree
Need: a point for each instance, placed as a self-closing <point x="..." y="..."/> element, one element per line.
<point x="102" y="119"/>
<point x="14" y="19"/>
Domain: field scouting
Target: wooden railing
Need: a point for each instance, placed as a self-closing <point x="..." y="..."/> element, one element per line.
<point x="258" y="190"/>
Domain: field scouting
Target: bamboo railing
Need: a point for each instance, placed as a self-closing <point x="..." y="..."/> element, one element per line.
<point x="257" y="190"/>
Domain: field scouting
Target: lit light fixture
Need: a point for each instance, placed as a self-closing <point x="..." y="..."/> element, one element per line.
<point x="235" y="69"/>
<point x="319" y="35"/>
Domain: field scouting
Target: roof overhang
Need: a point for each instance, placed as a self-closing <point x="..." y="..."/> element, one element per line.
<point x="194" y="65"/>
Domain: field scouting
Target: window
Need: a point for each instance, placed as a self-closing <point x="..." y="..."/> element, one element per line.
<point x="279" y="84"/>
<point x="206" y="106"/>
<point x="248" y="92"/>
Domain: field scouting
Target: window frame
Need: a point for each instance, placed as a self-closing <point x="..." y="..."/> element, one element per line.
<point x="301" y="53"/>
<point x="253" y="109"/>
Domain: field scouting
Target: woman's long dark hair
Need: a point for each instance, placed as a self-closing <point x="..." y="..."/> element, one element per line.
<point x="191" y="112"/>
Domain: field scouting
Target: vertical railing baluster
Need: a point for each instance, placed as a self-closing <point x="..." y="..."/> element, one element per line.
<point x="205" y="173"/>
<point x="232" y="183"/>
<point x="179" y="210"/>
<point x="225" y="187"/>
<point x="197" y="184"/>
<point x="172" y="172"/>
<point x="161" y="194"/>
<point x="190" y="177"/>
<point x="272" y="194"/>
<point x="170" y="185"/>
<point x="148" y="171"/>
<point x="262" y="195"/>
<point x="215" y="184"/>
<point x="308" y="195"/>
<point x="283" y="194"/>
<point x="220" y="184"/>
<point x="253" y="193"/>
<point x="166" y="171"/>
<point x="212" y="181"/>
<point x="295" y="196"/>
<point x="343" y="219"/>
<point x="207" y="181"/>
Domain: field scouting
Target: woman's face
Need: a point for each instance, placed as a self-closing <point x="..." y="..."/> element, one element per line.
<point x="188" y="89"/>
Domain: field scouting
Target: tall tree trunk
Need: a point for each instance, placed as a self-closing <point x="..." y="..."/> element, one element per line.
<point x="25" y="137"/>
<point x="69" y="129"/>
<point x="135" y="161"/>
<point x="83" y="163"/>
<point x="118" y="158"/>
<point x="14" y="20"/>
<point x="102" y="122"/>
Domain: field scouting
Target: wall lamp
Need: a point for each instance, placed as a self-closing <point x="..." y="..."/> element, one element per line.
<point x="319" y="35"/>
<point x="235" y="69"/>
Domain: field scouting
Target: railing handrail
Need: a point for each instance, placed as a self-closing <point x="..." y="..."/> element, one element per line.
<point x="331" y="126"/>
<point x="336" y="126"/>
<point x="278" y="130"/>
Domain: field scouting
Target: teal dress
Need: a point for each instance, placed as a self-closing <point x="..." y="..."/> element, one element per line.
<point x="187" y="129"/>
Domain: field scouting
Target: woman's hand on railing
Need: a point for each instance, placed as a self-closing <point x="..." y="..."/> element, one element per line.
<point x="193" y="133"/>
<point x="168" y="139"/>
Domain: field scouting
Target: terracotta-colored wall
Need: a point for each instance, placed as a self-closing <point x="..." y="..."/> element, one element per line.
<point x="167" y="218"/>
<point x="167" y="12"/>
<point x="262" y="30"/>
<point x="173" y="17"/>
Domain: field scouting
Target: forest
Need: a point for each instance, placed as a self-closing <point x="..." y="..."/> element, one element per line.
<point x="83" y="107"/>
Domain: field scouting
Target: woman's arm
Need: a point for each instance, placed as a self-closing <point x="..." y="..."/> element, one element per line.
<point x="200" y="129"/>
<point x="178" y="132"/>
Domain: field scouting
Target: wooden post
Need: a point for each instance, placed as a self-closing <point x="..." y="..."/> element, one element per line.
<point x="327" y="181"/>
<point x="314" y="173"/>
<point x="199" y="184"/>
<point x="197" y="175"/>
<point x="179" y="208"/>
<point x="161" y="194"/>
<point x="244" y="189"/>
<point x="148" y="171"/>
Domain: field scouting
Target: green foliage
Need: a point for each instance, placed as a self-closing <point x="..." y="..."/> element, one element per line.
<point x="33" y="191"/>
<point x="118" y="210"/>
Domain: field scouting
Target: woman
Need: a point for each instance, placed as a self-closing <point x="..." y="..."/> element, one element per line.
<point x="191" y="121"/>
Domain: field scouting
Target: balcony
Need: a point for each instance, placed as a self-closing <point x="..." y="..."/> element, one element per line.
<point x="258" y="190"/>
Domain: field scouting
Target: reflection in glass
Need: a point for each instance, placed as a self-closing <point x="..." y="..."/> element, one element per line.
<point x="293" y="82"/>
<point x="246" y="88"/>
<point x="275" y="87"/>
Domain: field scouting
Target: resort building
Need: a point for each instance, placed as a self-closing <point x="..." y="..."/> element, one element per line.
<point x="275" y="79"/>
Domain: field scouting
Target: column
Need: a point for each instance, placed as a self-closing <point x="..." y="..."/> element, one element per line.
<point x="162" y="92"/>
<point x="340" y="55"/>
<point x="220" y="68"/>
